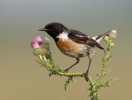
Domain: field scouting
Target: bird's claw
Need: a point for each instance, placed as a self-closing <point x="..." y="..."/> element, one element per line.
<point x="66" y="70"/>
<point x="85" y="76"/>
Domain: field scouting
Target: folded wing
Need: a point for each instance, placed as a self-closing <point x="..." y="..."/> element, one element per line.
<point x="82" y="38"/>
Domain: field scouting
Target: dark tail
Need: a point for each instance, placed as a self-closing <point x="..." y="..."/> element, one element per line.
<point x="99" y="37"/>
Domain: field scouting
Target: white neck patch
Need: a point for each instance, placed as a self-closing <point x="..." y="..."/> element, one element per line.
<point x="63" y="35"/>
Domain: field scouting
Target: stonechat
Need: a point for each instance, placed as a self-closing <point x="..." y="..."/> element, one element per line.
<point x="74" y="43"/>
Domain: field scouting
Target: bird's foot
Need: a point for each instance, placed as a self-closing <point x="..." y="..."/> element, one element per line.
<point x="66" y="70"/>
<point x="60" y="70"/>
<point x="86" y="76"/>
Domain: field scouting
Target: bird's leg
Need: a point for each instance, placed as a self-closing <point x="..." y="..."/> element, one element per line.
<point x="87" y="71"/>
<point x="77" y="61"/>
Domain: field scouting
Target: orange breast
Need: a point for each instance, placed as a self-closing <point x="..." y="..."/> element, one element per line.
<point x="66" y="46"/>
<point x="70" y="48"/>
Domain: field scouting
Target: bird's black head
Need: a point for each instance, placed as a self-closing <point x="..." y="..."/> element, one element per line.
<point x="54" y="29"/>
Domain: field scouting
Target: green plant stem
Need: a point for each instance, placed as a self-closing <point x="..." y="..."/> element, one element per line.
<point x="94" y="87"/>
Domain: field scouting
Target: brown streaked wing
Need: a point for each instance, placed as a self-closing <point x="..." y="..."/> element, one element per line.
<point x="82" y="38"/>
<point x="77" y="36"/>
<point x="90" y="41"/>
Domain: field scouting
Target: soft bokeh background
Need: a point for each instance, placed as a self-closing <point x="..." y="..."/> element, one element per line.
<point x="21" y="78"/>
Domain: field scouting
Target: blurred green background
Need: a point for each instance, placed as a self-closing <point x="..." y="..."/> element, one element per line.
<point x="21" y="78"/>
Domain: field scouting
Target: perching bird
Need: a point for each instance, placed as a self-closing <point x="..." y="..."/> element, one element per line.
<point x="73" y="43"/>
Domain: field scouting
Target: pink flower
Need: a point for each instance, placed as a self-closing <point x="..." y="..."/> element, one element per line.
<point x="37" y="42"/>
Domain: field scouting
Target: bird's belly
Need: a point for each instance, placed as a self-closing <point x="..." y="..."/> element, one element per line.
<point x="73" y="49"/>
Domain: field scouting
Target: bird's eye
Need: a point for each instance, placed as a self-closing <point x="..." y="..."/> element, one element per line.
<point x="54" y="28"/>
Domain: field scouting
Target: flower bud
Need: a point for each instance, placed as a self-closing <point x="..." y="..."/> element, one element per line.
<point x="34" y="45"/>
<point x="38" y="46"/>
<point x="106" y="39"/>
<point x="112" y="35"/>
<point x="46" y="41"/>
<point x="39" y="51"/>
<point x="111" y="45"/>
<point x="37" y="42"/>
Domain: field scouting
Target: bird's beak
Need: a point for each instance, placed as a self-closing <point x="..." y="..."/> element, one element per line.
<point x="42" y="29"/>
